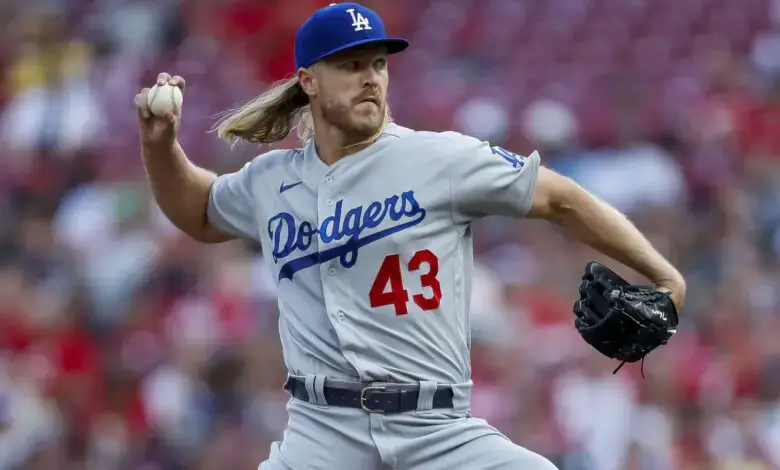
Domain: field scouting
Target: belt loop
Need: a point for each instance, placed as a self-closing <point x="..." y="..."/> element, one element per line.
<point x="425" y="398"/>
<point x="309" y="383"/>
<point x="319" y="390"/>
<point x="461" y="396"/>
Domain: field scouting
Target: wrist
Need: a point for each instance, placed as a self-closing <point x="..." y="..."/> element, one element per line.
<point x="674" y="282"/>
<point x="675" y="286"/>
<point x="162" y="149"/>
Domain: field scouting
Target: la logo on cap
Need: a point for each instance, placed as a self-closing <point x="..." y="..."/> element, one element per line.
<point x="359" y="22"/>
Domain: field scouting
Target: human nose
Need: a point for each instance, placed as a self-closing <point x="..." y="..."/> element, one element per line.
<point x="371" y="78"/>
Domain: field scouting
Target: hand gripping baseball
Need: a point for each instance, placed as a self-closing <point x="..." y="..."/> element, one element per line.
<point x="158" y="131"/>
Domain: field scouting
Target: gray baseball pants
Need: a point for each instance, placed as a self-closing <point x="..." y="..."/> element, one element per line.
<point x="319" y="437"/>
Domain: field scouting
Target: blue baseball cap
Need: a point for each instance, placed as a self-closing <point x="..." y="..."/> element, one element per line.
<point x="341" y="26"/>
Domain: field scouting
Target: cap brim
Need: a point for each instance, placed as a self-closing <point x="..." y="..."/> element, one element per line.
<point x="394" y="46"/>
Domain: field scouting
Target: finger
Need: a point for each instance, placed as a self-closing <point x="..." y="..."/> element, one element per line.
<point x="169" y="117"/>
<point x="142" y="104"/>
<point x="178" y="81"/>
<point x="143" y="114"/>
<point x="163" y="78"/>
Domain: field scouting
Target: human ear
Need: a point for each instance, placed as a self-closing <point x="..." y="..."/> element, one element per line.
<point x="308" y="82"/>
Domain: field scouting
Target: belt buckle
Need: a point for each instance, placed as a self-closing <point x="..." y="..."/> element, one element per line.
<point x="363" y="398"/>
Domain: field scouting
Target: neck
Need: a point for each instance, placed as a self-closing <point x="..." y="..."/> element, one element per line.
<point x="331" y="149"/>
<point x="333" y="144"/>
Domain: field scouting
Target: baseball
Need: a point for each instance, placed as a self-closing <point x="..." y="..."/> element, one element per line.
<point x="164" y="99"/>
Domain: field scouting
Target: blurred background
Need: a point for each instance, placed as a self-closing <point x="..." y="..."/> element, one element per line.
<point x="124" y="345"/>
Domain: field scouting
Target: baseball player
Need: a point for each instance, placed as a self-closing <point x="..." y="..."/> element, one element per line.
<point x="366" y="227"/>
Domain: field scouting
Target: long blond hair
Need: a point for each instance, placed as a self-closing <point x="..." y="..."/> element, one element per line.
<point x="270" y="117"/>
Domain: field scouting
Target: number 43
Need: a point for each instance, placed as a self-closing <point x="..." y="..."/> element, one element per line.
<point x="388" y="287"/>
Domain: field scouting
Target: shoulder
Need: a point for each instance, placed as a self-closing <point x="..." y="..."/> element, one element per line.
<point x="447" y="143"/>
<point x="273" y="159"/>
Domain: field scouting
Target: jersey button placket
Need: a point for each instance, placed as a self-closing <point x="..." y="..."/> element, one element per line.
<point x="329" y="270"/>
<point x="328" y="180"/>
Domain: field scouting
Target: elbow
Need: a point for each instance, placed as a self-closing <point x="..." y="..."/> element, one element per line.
<point x="202" y="237"/>
<point x="560" y="213"/>
<point x="566" y="201"/>
<point x="201" y="232"/>
<point x="553" y="211"/>
<point x="208" y="235"/>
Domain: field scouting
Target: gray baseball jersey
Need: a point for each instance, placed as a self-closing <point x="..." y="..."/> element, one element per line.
<point x="373" y="254"/>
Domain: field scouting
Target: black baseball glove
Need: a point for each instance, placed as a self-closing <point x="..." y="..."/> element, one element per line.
<point x="621" y="320"/>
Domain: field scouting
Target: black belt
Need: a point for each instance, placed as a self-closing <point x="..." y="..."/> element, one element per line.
<point x="372" y="398"/>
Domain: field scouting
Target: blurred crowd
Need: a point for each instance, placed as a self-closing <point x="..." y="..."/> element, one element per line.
<point x="125" y="346"/>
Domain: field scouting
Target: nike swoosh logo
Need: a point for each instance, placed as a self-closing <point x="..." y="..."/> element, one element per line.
<point x="284" y="187"/>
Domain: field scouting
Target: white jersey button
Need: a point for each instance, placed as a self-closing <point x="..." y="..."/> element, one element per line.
<point x="340" y="315"/>
<point x="332" y="271"/>
<point x="330" y="202"/>
<point x="329" y="179"/>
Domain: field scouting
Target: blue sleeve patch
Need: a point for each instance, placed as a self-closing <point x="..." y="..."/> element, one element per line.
<point x="512" y="158"/>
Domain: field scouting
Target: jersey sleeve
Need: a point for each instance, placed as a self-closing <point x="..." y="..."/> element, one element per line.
<point x="489" y="180"/>
<point x="231" y="205"/>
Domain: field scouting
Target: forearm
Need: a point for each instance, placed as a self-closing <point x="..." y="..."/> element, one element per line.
<point x="602" y="227"/>
<point x="605" y="229"/>
<point x="180" y="188"/>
